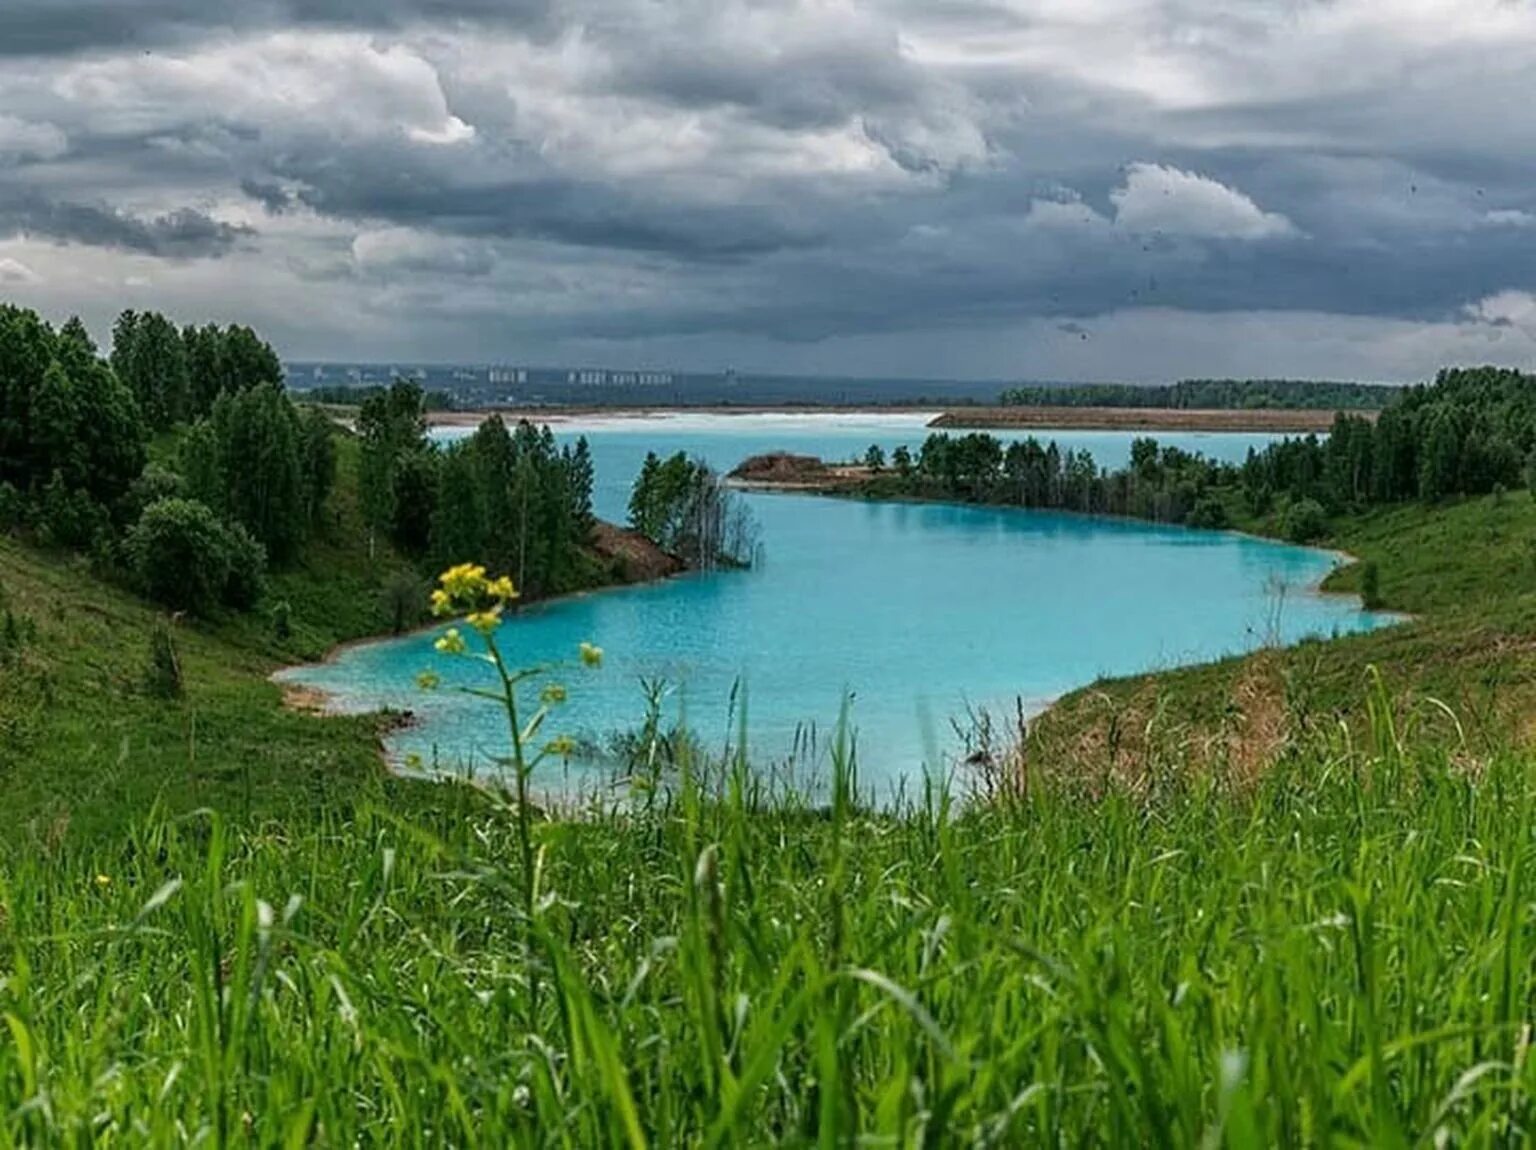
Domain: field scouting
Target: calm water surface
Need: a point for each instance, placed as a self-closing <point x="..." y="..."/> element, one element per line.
<point x="916" y="612"/>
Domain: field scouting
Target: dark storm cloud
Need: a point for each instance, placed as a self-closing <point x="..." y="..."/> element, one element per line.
<point x="788" y="170"/>
<point x="55" y="27"/>
<point x="274" y="197"/>
<point x="185" y="233"/>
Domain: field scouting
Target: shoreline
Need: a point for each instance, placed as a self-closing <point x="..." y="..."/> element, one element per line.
<point x="305" y="698"/>
<point x="1232" y="420"/>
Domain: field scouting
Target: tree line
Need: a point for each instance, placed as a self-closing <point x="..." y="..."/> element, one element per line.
<point x="509" y="499"/>
<point x="1223" y="394"/>
<point x="242" y="478"/>
<point x="355" y="394"/>
<point x="1470" y="432"/>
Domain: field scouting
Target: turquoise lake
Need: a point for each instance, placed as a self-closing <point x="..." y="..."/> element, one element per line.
<point x="914" y="611"/>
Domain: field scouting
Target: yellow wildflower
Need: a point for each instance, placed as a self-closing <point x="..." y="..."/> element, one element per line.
<point x="591" y="656"/>
<point x="486" y="621"/>
<point x="562" y="745"/>
<point x="428" y="680"/>
<point x="553" y="693"/>
<point x="442" y="602"/>
<point x="103" y="880"/>
<point x="452" y="643"/>
<point x="413" y="761"/>
<point x="501" y="588"/>
<point x="465" y="583"/>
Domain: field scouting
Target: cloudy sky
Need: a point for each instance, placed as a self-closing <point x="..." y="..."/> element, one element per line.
<point x="1069" y="189"/>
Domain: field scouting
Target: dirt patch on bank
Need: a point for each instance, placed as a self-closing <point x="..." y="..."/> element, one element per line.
<point x="636" y="558"/>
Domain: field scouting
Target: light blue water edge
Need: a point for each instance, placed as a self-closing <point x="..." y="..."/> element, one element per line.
<point x="917" y="614"/>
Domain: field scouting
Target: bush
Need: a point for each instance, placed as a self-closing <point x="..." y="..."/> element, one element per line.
<point x="405" y="600"/>
<point x="185" y="557"/>
<point x="162" y="677"/>
<point x="70" y="517"/>
<point x="247" y="568"/>
<point x="1304" y="521"/>
<point x="1208" y="512"/>
<point x="1370" y="586"/>
<point x="282" y="620"/>
<point x="153" y="484"/>
<point x="14" y="511"/>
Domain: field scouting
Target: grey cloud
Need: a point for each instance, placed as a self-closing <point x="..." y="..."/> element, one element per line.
<point x="56" y="27"/>
<point x="274" y="197"/>
<point x="185" y="233"/>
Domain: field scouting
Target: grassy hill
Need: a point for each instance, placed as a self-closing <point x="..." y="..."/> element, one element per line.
<point x="1461" y="673"/>
<point x="1295" y="911"/>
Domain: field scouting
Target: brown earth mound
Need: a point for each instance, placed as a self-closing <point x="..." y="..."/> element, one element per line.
<point x="638" y="559"/>
<point x="781" y="467"/>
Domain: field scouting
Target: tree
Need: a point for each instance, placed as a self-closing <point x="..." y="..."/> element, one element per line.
<point x="183" y="556"/>
<point x="318" y="460"/>
<point x="149" y="357"/>
<point x="414" y="500"/>
<point x="390" y="424"/>
<point x="874" y="458"/>
<point x="264" y="487"/>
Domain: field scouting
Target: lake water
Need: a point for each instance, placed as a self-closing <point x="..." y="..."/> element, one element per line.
<point x="916" y="612"/>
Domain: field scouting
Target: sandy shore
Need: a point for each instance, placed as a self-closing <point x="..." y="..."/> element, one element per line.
<point x="958" y="418"/>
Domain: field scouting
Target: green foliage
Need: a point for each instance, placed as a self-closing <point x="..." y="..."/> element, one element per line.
<point x="162" y="675"/>
<point x="350" y="395"/>
<point x="1370" y="585"/>
<point x="65" y="420"/>
<point x="260" y="464"/>
<point x="185" y="557"/>
<point x="683" y="507"/>
<point x="1303" y="521"/>
<point x="874" y="458"/>
<point x="282" y="620"/>
<point x="1320" y="959"/>
<point x="405" y="600"/>
<point x="512" y="501"/>
<point x="1224" y="394"/>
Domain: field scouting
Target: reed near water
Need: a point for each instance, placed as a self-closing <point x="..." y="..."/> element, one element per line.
<point x="1337" y="950"/>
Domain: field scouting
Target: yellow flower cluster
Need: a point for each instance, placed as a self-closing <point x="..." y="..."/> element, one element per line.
<point x="466" y="587"/>
<point x="591" y="656"/>
<point x="562" y="746"/>
<point x="452" y="643"/>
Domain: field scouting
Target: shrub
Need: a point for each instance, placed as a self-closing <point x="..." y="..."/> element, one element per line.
<point x="405" y="600"/>
<point x="162" y="677"/>
<point x="184" y="556"/>
<point x="153" y="484"/>
<point x="1208" y="512"/>
<point x="247" y="568"/>
<point x="282" y="620"/>
<point x="1370" y="586"/>
<point x="70" y="517"/>
<point x="1304" y="521"/>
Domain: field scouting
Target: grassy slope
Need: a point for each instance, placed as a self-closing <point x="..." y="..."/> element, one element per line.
<point x="1467" y="571"/>
<point x="83" y="746"/>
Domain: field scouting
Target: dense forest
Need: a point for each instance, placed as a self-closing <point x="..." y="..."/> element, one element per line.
<point x="1471" y="432"/>
<point x="182" y="467"/>
<point x="1224" y="394"/>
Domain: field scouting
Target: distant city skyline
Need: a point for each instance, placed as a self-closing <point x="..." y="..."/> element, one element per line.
<point x="1074" y="190"/>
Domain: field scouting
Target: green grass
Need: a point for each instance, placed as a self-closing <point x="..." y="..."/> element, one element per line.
<point x="1466" y="571"/>
<point x="1340" y="954"/>
<point x="1279" y="900"/>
